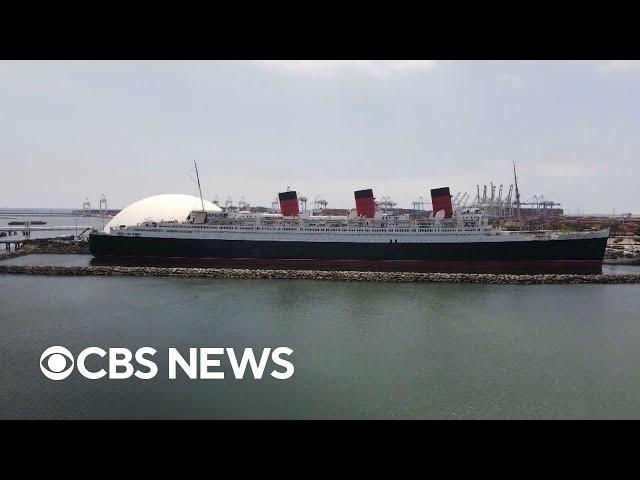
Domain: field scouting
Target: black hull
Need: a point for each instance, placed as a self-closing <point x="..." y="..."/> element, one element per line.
<point x="572" y="255"/>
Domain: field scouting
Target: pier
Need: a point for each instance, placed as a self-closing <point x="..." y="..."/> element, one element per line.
<point x="59" y="228"/>
<point x="26" y="232"/>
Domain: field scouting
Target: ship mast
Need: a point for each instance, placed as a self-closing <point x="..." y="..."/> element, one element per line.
<point x="515" y="179"/>
<point x="199" y="189"/>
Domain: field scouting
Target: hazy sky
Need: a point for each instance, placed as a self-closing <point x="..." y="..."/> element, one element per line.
<point x="129" y="129"/>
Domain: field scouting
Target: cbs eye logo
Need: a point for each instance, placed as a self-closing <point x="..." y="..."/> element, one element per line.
<point x="56" y="363"/>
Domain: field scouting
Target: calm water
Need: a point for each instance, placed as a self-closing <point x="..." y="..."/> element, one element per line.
<point x="362" y="350"/>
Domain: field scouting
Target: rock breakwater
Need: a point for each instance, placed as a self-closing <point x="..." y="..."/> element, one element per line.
<point x="346" y="276"/>
<point x="51" y="246"/>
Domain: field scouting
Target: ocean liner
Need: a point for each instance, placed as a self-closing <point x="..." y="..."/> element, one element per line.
<point x="445" y="240"/>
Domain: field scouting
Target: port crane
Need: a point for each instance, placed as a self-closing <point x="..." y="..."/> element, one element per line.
<point x="386" y="203"/>
<point x="418" y="204"/>
<point x="302" y="199"/>
<point x="103" y="201"/>
<point x="319" y="203"/>
<point x="243" y="204"/>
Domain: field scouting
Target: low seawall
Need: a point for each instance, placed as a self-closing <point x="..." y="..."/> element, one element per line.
<point x="348" y="276"/>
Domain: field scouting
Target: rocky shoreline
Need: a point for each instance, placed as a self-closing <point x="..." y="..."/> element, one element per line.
<point x="48" y="246"/>
<point x="348" y="276"/>
<point x="51" y="246"/>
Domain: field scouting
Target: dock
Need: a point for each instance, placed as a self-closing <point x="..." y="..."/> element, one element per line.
<point x="59" y="228"/>
<point x="16" y="242"/>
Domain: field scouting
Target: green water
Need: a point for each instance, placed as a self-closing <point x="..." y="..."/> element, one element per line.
<point x="361" y="350"/>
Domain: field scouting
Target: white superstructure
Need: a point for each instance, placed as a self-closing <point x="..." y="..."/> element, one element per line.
<point x="464" y="226"/>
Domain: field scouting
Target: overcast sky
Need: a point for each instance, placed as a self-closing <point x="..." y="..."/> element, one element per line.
<point x="130" y="129"/>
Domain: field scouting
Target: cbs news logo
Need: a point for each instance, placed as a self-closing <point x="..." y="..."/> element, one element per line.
<point x="57" y="363"/>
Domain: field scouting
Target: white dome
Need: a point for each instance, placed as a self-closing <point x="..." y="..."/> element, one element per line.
<point x="165" y="207"/>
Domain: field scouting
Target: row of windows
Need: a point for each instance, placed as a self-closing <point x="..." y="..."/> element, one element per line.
<point x="327" y="229"/>
<point x="315" y="230"/>
<point x="288" y="229"/>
